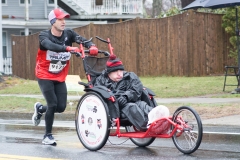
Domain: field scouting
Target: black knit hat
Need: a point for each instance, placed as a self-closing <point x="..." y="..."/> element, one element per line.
<point x="114" y="64"/>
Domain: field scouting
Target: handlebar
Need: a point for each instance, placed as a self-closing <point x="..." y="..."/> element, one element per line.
<point x="82" y="54"/>
<point x="106" y="53"/>
<point x="102" y="40"/>
<point x="78" y="40"/>
<point x="87" y="41"/>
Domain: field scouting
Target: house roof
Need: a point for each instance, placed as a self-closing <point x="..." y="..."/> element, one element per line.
<point x="43" y="23"/>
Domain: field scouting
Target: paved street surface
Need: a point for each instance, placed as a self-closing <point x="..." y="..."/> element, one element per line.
<point x="21" y="140"/>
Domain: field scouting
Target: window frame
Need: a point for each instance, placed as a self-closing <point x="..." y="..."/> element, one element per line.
<point x="4" y="4"/>
<point x="23" y="4"/>
<point x="50" y="4"/>
<point x="6" y="45"/>
<point x="22" y="31"/>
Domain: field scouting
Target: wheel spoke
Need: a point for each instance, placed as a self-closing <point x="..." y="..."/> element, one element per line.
<point x="191" y="139"/>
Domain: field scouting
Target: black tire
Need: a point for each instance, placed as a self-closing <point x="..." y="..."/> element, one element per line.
<point x="92" y="121"/>
<point x="190" y="139"/>
<point x="141" y="142"/>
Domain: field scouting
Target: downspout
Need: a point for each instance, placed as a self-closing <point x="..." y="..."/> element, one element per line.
<point x="45" y="10"/>
<point x="1" y="54"/>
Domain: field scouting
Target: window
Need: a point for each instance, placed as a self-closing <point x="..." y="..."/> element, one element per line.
<point x="50" y="3"/>
<point x="22" y="33"/>
<point x="4" y="2"/>
<point x="4" y="44"/>
<point x="22" y="2"/>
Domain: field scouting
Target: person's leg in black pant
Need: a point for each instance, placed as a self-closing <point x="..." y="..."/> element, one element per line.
<point x="55" y="94"/>
<point x="56" y="101"/>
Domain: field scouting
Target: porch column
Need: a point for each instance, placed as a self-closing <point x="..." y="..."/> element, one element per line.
<point x="26" y="17"/>
<point x="1" y="54"/>
<point x="55" y="4"/>
<point x="26" y="11"/>
<point x="26" y="31"/>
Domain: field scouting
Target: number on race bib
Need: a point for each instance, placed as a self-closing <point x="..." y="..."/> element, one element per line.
<point x="56" y="68"/>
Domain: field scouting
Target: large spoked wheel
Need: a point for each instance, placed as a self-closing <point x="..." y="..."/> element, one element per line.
<point x="189" y="138"/>
<point x="92" y="121"/>
<point x="141" y="142"/>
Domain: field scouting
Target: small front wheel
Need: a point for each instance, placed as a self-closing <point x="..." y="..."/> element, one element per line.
<point x="92" y="121"/>
<point x="188" y="139"/>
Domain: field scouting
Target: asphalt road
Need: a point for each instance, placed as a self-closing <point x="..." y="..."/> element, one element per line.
<point x="20" y="143"/>
<point x="20" y="140"/>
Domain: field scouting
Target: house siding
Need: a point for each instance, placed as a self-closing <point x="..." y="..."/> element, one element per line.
<point x="36" y="9"/>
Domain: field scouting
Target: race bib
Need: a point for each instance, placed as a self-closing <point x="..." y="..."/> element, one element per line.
<point x="58" y="61"/>
<point x="56" y="66"/>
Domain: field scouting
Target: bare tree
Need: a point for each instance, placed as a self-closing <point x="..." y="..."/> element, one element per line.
<point x="157" y="7"/>
<point x="168" y="4"/>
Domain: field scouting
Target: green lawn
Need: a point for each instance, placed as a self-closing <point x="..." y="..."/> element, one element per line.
<point x="164" y="87"/>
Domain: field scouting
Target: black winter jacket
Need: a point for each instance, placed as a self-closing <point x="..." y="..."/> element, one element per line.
<point x="130" y="86"/>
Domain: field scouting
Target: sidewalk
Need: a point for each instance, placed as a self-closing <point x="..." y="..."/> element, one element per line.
<point x="159" y="100"/>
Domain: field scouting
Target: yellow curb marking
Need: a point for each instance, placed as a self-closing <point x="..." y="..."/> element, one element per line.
<point x="15" y="157"/>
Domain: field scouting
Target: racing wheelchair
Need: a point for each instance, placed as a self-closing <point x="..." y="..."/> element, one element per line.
<point x="98" y="116"/>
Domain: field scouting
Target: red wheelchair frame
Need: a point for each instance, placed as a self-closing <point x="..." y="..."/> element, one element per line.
<point x="184" y="127"/>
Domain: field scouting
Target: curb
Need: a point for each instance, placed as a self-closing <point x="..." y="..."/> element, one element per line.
<point x="28" y="116"/>
<point x="66" y="122"/>
<point x="207" y="136"/>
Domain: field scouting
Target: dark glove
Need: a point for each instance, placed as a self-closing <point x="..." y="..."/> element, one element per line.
<point x="93" y="51"/>
<point x="73" y="49"/>
<point x="122" y="101"/>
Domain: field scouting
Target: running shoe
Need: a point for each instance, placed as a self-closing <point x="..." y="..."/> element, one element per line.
<point x="49" y="140"/>
<point x="36" y="118"/>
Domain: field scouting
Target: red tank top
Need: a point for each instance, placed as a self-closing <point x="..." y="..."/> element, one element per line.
<point x="51" y="65"/>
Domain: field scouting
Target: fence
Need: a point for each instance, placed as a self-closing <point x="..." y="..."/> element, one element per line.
<point x="189" y="44"/>
<point x="7" y="65"/>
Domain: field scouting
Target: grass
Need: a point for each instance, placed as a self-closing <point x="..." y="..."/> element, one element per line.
<point x="13" y="85"/>
<point x="164" y="87"/>
<point x="25" y="105"/>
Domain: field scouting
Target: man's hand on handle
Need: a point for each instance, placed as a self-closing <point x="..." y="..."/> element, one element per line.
<point x="73" y="49"/>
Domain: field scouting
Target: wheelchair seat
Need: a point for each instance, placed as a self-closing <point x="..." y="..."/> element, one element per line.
<point x="94" y="66"/>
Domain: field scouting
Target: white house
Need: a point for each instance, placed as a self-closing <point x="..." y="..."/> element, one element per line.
<point x="20" y="18"/>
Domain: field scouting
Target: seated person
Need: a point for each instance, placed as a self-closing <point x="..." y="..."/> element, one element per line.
<point x="127" y="89"/>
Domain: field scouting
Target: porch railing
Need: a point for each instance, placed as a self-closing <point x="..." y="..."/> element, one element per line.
<point x="117" y="7"/>
<point x="7" y="65"/>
